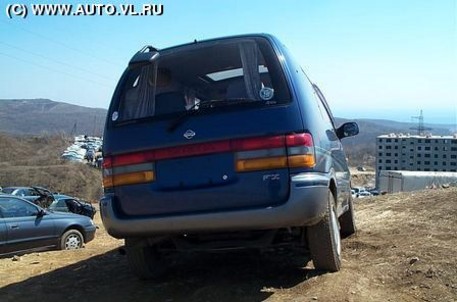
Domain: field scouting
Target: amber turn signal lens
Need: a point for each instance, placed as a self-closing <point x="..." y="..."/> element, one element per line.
<point x="128" y="179"/>
<point x="302" y="161"/>
<point x="261" y="164"/>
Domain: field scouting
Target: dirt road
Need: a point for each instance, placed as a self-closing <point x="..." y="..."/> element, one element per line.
<point x="405" y="250"/>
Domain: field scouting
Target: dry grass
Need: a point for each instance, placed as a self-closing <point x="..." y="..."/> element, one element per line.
<point x="35" y="161"/>
<point x="378" y="264"/>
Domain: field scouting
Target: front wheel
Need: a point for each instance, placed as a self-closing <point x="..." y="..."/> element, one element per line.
<point x="71" y="240"/>
<point x="324" y="239"/>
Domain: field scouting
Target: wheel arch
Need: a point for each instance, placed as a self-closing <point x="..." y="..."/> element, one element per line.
<point x="75" y="227"/>
<point x="333" y="188"/>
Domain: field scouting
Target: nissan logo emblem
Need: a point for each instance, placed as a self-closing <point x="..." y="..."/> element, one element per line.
<point x="189" y="134"/>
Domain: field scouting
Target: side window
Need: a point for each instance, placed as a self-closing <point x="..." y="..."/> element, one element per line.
<point x="325" y="116"/>
<point x="323" y="106"/>
<point x="61" y="203"/>
<point x="12" y="207"/>
<point x="32" y="192"/>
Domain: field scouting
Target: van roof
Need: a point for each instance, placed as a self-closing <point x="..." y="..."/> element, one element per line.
<point x="254" y="35"/>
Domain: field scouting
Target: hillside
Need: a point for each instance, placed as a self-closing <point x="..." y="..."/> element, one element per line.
<point x="405" y="250"/>
<point x="40" y="116"/>
<point x="35" y="161"/>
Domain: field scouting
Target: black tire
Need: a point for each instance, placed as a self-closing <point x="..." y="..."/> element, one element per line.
<point x="347" y="221"/>
<point x="71" y="240"/>
<point x="324" y="239"/>
<point x="144" y="261"/>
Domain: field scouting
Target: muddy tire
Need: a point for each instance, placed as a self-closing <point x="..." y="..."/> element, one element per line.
<point x="144" y="261"/>
<point x="324" y="239"/>
<point x="347" y="221"/>
<point x="71" y="240"/>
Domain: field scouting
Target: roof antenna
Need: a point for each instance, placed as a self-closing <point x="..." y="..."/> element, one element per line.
<point x="195" y="41"/>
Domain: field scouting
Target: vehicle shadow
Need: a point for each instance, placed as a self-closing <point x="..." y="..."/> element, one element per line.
<point x="240" y="276"/>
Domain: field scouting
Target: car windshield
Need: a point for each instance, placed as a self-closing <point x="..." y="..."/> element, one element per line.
<point x="201" y="77"/>
<point x="8" y="190"/>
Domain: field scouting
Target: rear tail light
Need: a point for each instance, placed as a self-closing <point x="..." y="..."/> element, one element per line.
<point x="126" y="175"/>
<point x="300" y="150"/>
<point x="297" y="152"/>
<point x="252" y="154"/>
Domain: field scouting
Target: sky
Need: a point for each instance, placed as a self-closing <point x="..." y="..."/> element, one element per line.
<point x="372" y="59"/>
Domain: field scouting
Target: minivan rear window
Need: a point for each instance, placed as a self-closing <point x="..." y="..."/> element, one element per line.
<point x="202" y="76"/>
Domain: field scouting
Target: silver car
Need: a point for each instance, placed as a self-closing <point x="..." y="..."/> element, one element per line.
<point x="25" y="227"/>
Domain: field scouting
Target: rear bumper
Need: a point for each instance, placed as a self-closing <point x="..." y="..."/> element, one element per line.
<point x="306" y="206"/>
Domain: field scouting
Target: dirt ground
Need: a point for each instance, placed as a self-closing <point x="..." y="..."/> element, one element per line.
<point x="405" y="250"/>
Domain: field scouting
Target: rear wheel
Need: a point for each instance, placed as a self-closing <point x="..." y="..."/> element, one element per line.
<point x="144" y="260"/>
<point x="324" y="239"/>
<point x="347" y="221"/>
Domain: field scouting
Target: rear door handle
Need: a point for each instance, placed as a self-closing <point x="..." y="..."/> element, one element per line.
<point x="15" y="226"/>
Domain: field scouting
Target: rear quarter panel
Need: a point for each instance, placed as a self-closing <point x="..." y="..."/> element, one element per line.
<point x="330" y="156"/>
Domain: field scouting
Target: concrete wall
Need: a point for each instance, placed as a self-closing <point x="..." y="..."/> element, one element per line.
<point x="406" y="181"/>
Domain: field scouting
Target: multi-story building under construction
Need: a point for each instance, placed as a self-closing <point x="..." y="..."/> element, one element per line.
<point x="416" y="153"/>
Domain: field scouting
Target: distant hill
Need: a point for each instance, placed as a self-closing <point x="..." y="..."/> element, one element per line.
<point x="38" y="116"/>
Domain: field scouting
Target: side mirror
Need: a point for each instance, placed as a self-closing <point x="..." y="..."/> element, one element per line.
<point x="347" y="130"/>
<point x="40" y="213"/>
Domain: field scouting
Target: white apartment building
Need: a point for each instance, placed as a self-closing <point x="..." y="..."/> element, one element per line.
<point x="416" y="153"/>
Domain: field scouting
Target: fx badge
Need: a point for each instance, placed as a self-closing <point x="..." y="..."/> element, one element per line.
<point x="268" y="177"/>
<point x="189" y="134"/>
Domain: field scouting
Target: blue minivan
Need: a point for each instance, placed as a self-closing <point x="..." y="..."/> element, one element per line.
<point x="223" y="144"/>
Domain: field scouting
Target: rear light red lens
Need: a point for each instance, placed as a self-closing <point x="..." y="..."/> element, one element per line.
<point x="301" y="139"/>
<point x="192" y="150"/>
<point x="132" y="158"/>
<point x="258" y="143"/>
<point x="107" y="163"/>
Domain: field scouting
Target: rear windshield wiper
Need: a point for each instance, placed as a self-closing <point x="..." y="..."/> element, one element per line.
<point x="194" y="109"/>
<point x="206" y="104"/>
